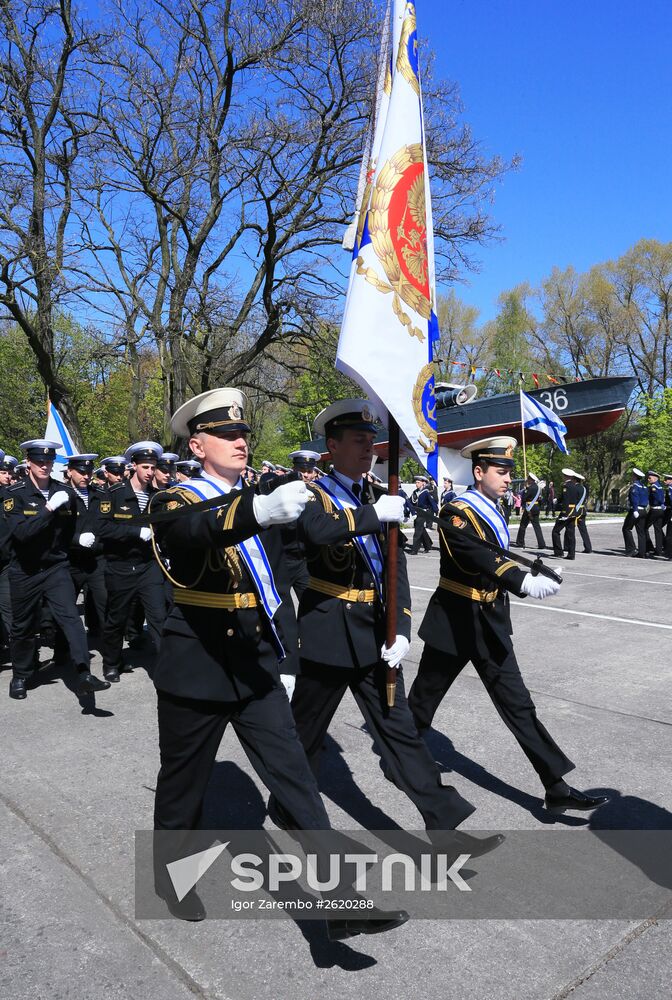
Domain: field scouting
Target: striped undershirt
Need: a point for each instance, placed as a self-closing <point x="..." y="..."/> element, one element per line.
<point x="142" y="498"/>
<point x="84" y="494"/>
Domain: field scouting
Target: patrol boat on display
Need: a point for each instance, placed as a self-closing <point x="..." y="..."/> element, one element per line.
<point x="584" y="407"/>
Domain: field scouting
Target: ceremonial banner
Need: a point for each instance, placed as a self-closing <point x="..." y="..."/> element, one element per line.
<point x="57" y="431"/>
<point x="389" y="323"/>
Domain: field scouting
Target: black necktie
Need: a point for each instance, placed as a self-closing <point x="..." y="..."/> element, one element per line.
<point x="357" y="489"/>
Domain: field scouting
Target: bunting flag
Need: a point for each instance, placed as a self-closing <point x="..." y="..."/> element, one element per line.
<point x="57" y="431"/>
<point x="501" y="372"/>
<point x="389" y="323"/>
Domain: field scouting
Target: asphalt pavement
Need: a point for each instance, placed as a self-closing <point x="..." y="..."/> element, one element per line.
<point x="78" y="780"/>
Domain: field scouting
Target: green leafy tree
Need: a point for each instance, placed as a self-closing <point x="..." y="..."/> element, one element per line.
<point x="652" y="447"/>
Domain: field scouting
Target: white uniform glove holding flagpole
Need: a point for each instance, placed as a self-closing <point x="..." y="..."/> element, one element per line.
<point x="540" y="586"/>
<point x="389" y="509"/>
<point x="396" y="652"/>
<point x="282" y="505"/>
<point x="86" y="539"/>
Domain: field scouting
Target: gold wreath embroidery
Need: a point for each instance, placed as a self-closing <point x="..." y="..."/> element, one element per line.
<point x="424" y="375"/>
<point x="403" y="63"/>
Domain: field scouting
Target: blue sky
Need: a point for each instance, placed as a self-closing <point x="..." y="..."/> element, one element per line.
<point x="583" y="92"/>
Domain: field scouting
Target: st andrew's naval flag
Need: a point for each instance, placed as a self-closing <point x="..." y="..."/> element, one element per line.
<point x="537" y="417"/>
<point x="57" y="431"/>
<point x="389" y="323"/>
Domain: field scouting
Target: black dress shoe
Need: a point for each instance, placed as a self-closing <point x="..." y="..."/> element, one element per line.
<point x="575" y="800"/>
<point x="17" y="688"/>
<point x="377" y="922"/>
<point x="464" y="843"/>
<point x="189" y="908"/>
<point x="111" y="674"/>
<point x="88" y="684"/>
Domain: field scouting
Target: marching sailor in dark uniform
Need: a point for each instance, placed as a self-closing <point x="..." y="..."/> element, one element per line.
<point x="531" y="501"/>
<point x="654" y="518"/>
<point x="581" y="522"/>
<point x="8" y="466"/>
<point x="86" y="563"/>
<point x="187" y="469"/>
<point x="130" y="567"/>
<point x="448" y="492"/>
<point x="304" y="466"/>
<point x="638" y="502"/>
<point x="229" y="645"/>
<point x="425" y="508"/>
<point x="571" y="506"/>
<point x="342" y="621"/>
<point x="468" y="618"/>
<point x="165" y="471"/>
<point x="42" y="517"/>
<point x="114" y="468"/>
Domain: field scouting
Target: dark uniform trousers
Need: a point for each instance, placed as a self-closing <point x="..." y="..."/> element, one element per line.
<point x="5" y="602"/>
<point x="654" y="519"/>
<point x="94" y="581"/>
<point x="569" y="524"/>
<point x="498" y="669"/>
<point x="190" y="732"/>
<point x="533" y="519"/>
<point x="465" y="621"/>
<point x="420" y="534"/>
<point x="406" y="759"/>
<point x="531" y="509"/>
<point x="583" y="531"/>
<point x="639" y="524"/>
<point x="123" y="582"/>
<point x="55" y="586"/>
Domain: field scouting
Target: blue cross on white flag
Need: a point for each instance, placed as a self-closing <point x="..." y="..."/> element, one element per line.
<point x="57" y="431"/>
<point x="389" y="323"/>
<point x="537" y="417"/>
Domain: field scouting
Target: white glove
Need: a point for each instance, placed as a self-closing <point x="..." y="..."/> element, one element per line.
<point x="389" y="509"/>
<point x="540" y="586"/>
<point x="86" y="539"/>
<point x="635" y="514"/>
<point x="58" y="500"/>
<point x="396" y="652"/>
<point x="145" y="534"/>
<point x="282" y="505"/>
<point x="289" y="682"/>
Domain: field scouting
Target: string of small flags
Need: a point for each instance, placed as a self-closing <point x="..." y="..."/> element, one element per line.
<point x="522" y="376"/>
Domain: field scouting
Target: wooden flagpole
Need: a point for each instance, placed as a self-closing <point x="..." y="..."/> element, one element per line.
<point x="392" y="552"/>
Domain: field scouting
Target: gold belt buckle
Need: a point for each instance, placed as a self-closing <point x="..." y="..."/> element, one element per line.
<point x="244" y="601"/>
<point x="361" y="597"/>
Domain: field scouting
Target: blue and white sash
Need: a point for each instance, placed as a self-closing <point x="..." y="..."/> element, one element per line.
<point x="487" y="510"/>
<point x="530" y="505"/>
<point x="251" y="550"/>
<point x="577" y="510"/>
<point x="367" y="545"/>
